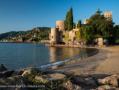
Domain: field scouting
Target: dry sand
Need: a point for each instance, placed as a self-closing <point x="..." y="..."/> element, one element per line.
<point x="105" y="62"/>
<point x="111" y="64"/>
<point x="85" y="65"/>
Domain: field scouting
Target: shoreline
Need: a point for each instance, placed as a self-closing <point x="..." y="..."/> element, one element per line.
<point x="59" y="45"/>
<point x="58" y="64"/>
<point x="80" y="75"/>
<point x="86" y="65"/>
<point x="104" y="62"/>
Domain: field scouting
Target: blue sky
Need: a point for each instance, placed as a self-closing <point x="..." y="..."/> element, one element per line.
<point x="18" y="15"/>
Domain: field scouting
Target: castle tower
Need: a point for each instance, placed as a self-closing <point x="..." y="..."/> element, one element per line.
<point x="86" y="21"/>
<point x="60" y="25"/>
<point x="108" y="15"/>
<point x="53" y="36"/>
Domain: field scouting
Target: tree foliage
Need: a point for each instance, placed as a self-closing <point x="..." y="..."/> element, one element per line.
<point x="87" y="33"/>
<point x="69" y="24"/>
<point x="40" y="33"/>
<point x="79" y="24"/>
<point x="98" y="26"/>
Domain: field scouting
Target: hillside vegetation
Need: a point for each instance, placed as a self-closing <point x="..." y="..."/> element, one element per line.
<point x="35" y="34"/>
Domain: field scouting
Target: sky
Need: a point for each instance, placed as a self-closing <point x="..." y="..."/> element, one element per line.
<point x="18" y="15"/>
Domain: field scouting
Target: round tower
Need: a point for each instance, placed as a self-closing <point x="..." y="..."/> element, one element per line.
<point x="53" y="35"/>
<point x="60" y="25"/>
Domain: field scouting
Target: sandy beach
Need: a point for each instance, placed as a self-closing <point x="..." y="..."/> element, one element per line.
<point x="111" y="64"/>
<point x="106" y="62"/>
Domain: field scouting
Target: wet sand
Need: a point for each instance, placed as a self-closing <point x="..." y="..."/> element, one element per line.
<point x="105" y="62"/>
<point x="85" y="65"/>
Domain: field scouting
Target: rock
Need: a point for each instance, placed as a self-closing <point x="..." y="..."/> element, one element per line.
<point x="2" y="68"/>
<point x="84" y="81"/>
<point x="56" y="76"/>
<point x="106" y="87"/>
<point x="28" y="71"/>
<point x="20" y="72"/>
<point x="69" y="86"/>
<point x="110" y="80"/>
<point x="6" y="74"/>
<point x="40" y="79"/>
<point x="16" y="81"/>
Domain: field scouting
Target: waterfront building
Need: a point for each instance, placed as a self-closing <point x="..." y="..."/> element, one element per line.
<point x="56" y="34"/>
<point x="108" y="15"/>
<point x="86" y="21"/>
<point x="53" y="36"/>
<point x="60" y="25"/>
<point x="59" y="35"/>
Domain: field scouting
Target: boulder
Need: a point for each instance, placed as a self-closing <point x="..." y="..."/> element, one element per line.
<point x="15" y="81"/>
<point x="2" y="68"/>
<point x="84" y="82"/>
<point x="40" y="79"/>
<point x="28" y="71"/>
<point x="70" y="86"/>
<point x="106" y="87"/>
<point x="56" y="76"/>
<point x="110" y="80"/>
<point x="6" y="74"/>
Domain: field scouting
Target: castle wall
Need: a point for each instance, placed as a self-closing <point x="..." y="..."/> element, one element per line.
<point x="53" y="36"/>
<point x="60" y="25"/>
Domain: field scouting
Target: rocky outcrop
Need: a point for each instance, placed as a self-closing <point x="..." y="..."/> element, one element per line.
<point x="6" y="74"/>
<point x="110" y="80"/>
<point x="56" y="76"/>
<point x="2" y="68"/>
<point x="28" y="71"/>
<point x="56" y="80"/>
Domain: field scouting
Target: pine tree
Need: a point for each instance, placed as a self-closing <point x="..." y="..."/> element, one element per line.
<point x="69" y="20"/>
<point x="79" y="24"/>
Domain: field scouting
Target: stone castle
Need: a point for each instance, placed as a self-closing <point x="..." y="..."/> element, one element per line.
<point x="59" y="35"/>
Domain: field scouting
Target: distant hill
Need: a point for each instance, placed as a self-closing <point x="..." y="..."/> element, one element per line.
<point x="35" y="34"/>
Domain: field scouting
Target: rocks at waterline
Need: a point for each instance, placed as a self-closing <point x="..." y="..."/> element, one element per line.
<point x="56" y="80"/>
<point x="6" y="74"/>
<point x="88" y="82"/>
<point x="70" y="86"/>
<point x="110" y="80"/>
<point x="28" y="71"/>
<point x="2" y="68"/>
<point x="56" y="76"/>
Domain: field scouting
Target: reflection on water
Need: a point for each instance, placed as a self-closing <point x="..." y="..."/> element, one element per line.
<point x="21" y="55"/>
<point x="52" y="52"/>
<point x="60" y="53"/>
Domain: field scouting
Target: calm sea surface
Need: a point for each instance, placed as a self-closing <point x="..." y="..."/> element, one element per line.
<point x="21" y="55"/>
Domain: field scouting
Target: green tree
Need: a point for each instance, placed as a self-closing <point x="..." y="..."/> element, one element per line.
<point x="87" y="34"/>
<point x="101" y="26"/>
<point x="69" y="20"/>
<point x="79" y="24"/>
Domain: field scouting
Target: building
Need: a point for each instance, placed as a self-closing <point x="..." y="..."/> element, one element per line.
<point x="60" y="25"/>
<point x="108" y="15"/>
<point x="59" y="35"/>
<point x="56" y="35"/>
<point x="86" y="21"/>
